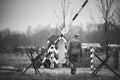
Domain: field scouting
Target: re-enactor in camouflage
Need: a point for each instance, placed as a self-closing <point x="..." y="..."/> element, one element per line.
<point x="74" y="52"/>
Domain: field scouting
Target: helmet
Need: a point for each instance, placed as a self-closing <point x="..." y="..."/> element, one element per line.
<point x="76" y="36"/>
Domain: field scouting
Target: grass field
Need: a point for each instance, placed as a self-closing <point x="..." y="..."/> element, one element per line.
<point x="23" y="61"/>
<point x="47" y="76"/>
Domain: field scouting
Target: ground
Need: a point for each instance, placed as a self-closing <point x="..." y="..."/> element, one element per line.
<point x="19" y="61"/>
<point x="58" y="74"/>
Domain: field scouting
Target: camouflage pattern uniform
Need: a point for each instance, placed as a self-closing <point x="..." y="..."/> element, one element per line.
<point x="74" y="52"/>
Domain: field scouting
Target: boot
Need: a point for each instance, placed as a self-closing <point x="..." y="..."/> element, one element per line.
<point x="73" y="69"/>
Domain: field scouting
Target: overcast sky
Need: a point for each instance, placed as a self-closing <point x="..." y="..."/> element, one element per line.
<point x="18" y="14"/>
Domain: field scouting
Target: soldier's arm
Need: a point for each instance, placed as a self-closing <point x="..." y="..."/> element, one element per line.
<point x="68" y="49"/>
<point x="80" y="50"/>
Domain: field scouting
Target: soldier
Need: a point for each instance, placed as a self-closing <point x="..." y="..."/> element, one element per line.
<point x="74" y="52"/>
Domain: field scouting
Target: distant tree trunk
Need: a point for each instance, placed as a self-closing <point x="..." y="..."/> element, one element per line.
<point x="116" y="59"/>
<point x="106" y="37"/>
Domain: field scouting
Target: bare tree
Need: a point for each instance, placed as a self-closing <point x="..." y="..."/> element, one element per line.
<point x="106" y="8"/>
<point x="28" y="31"/>
<point x="65" y="5"/>
<point x="117" y="14"/>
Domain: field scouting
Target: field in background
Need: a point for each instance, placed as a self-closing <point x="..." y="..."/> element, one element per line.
<point x="22" y="61"/>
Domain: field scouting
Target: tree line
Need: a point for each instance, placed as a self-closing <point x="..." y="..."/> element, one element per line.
<point x="94" y="34"/>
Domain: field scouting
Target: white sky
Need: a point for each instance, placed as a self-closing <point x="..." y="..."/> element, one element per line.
<point x="18" y="14"/>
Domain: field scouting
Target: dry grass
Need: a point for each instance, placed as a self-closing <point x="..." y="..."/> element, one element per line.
<point x="47" y="76"/>
<point x="14" y="60"/>
<point x="23" y="61"/>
